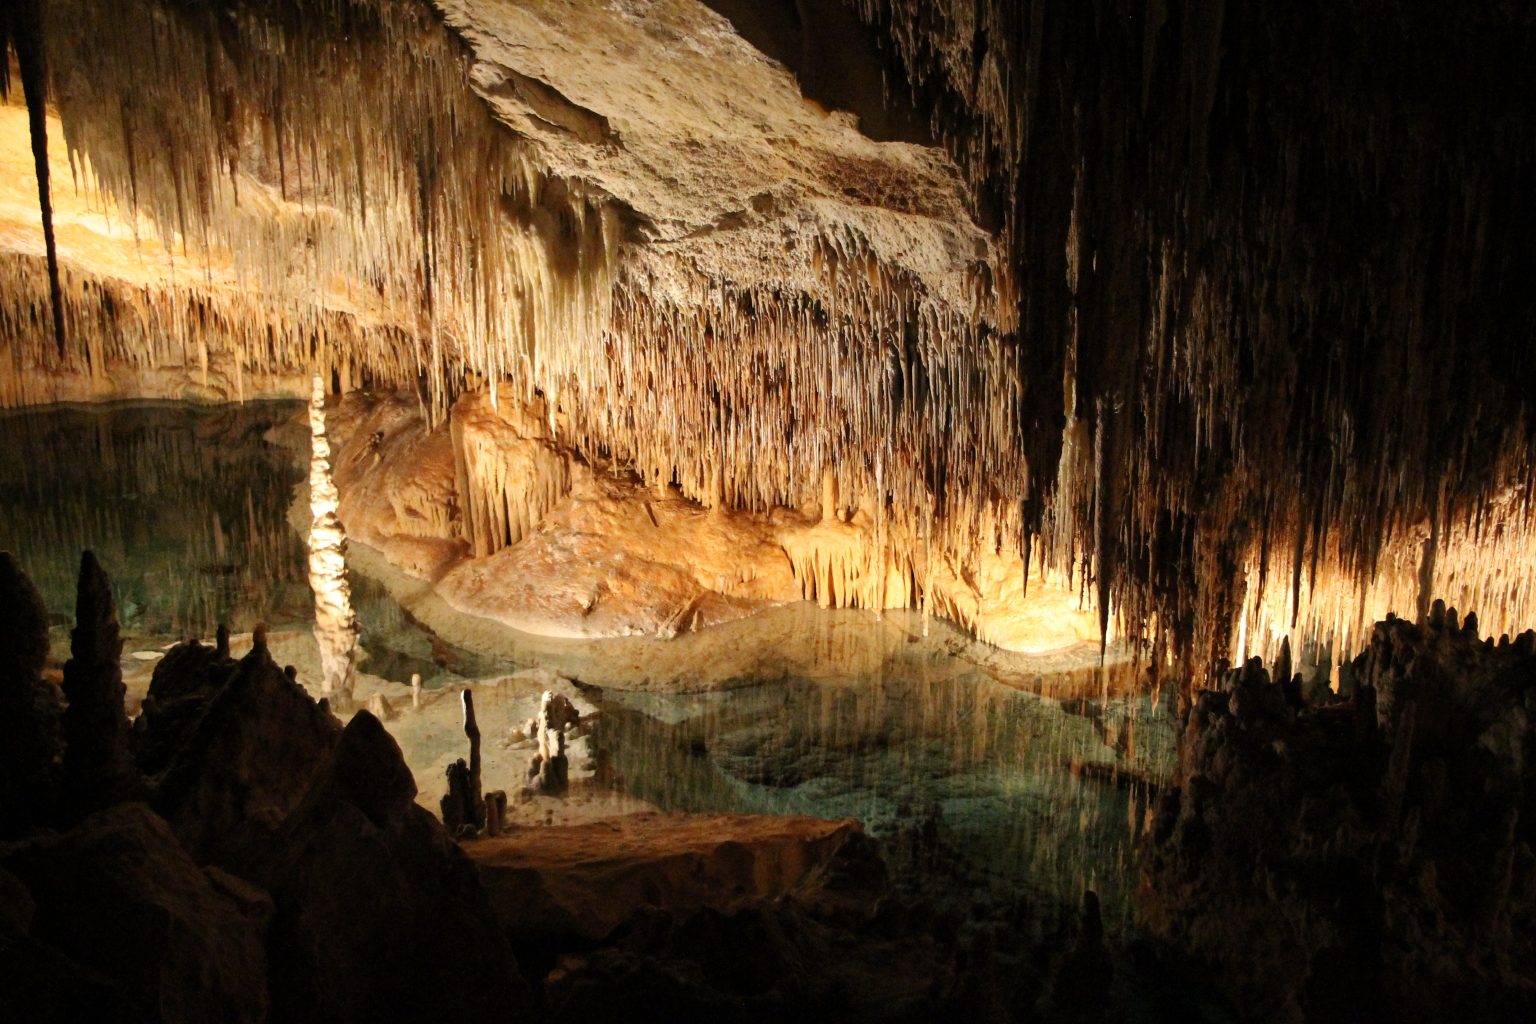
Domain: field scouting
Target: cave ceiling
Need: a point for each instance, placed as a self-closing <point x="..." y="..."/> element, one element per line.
<point x="1220" y="310"/>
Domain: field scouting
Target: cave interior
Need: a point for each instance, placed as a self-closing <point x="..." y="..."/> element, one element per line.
<point x="724" y="509"/>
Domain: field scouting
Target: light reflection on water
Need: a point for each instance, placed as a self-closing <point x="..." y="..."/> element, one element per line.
<point x="980" y="792"/>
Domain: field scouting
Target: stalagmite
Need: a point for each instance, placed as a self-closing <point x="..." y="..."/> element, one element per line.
<point x="335" y="625"/>
<point x="550" y="768"/>
<point x="98" y="767"/>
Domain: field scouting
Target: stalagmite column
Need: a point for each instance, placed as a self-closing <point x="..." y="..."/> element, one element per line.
<point x="98" y="768"/>
<point x="335" y="625"/>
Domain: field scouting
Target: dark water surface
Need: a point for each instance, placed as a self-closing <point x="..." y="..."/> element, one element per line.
<point x="184" y="505"/>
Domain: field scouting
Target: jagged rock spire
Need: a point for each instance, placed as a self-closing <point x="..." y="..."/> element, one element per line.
<point x="98" y="766"/>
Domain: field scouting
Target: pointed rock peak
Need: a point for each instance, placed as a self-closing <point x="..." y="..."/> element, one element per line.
<point x="368" y="770"/>
<point x="259" y="651"/>
<point x="23" y="623"/>
<point x="95" y="636"/>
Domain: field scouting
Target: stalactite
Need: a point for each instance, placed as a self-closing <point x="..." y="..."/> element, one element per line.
<point x="24" y="32"/>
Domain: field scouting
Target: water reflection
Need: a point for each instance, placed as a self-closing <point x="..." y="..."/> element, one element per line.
<point x="185" y="506"/>
<point x="981" y="792"/>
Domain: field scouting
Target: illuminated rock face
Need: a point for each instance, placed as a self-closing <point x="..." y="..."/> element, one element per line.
<point x="563" y="547"/>
<point x="1174" y="316"/>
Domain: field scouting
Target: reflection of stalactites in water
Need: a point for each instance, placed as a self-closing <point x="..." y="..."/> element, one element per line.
<point x="143" y="486"/>
<point x="971" y="786"/>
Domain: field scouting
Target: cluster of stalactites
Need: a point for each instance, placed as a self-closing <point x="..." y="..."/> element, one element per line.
<point x="375" y="188"/>
<point x="381" y="228"/>
<point x="224" y="342"/>
<point x="1214" y="362"/>
<point x="1277" y="373"/>
<point x="335" y="156"/>
<point x="507" y="473"/>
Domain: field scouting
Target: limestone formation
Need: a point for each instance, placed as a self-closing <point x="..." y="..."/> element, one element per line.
<point x="119" y="897"/>
<point x="1345" y="860"/>
<point x="463" y="806"/>
<point x="377" y="913"/>
<point x="336" y="626"/>
<point x="98" y="767"/>
<point x="1001" y="338"/>
<point x="550" y="768"/>
<point x="30" y="708"/>
<point x="230" y="749"/>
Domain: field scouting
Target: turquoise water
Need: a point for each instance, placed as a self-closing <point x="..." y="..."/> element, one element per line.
<point x="981" y="793"/>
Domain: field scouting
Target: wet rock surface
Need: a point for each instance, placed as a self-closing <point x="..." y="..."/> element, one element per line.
<point x="1363" y="859"/>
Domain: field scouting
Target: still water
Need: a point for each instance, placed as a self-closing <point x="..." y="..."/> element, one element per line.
<point x="982" y="793"/>
<point x="187" y="508"/>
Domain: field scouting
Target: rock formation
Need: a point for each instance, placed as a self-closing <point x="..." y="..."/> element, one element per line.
<point x="230" y="749"/>
<point x="550" y="769"/>
<point x="463" y="806"/>
<point x="120" y="898"/>
<point x="30" y="745"/>
<point x="98" y="767"/>
<point x="336" y="626"/>
<point x="282" y="870"/>
<point x="378" y="914"/>
<point x="1361" y="857"/>
<point x="1188" y="323"/>
<point x="1031" y="332"/>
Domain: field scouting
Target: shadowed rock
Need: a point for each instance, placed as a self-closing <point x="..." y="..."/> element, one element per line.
<point x="98" y="768"/>
<point x="235" y="746"/>
<point x="463" y="806"/>
<point x="182" y="684"/>
<point x="379" y="915"/>
<point x="119" y="901"/>
<point x="30" y="744"/>
<point x="1369" y="859"/>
